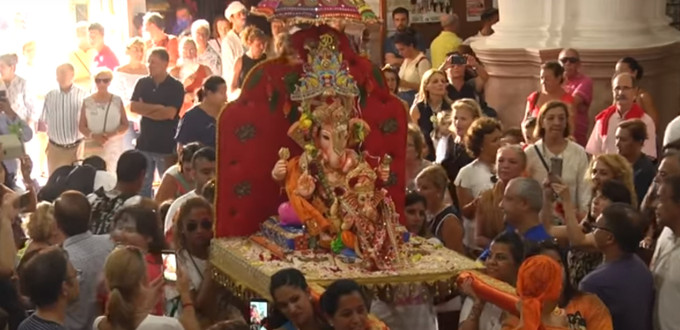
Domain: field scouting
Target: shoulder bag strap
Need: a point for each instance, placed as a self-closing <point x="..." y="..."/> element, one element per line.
<point x="106" y="115"/>
<point x="540" y="156"/>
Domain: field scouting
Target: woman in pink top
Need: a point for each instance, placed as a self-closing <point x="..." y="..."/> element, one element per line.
<point x="580" y="87"/>
<point x="551" y="90"/>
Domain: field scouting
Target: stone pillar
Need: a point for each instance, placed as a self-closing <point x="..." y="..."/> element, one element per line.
<point x="531" y="32"/>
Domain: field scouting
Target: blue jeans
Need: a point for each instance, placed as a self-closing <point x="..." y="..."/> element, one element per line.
<point x="154" y="161"/>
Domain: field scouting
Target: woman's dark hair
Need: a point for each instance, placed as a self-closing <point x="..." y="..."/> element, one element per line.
<point x="616" y="191"/>
<point x="513" y="132"/>
<point x="474" y="139"/>
<point x="634" y="65"/>
<point x="556" y="68"/>
<point x="187" y="152"/>
<point x="331" y="297"/>
<point x="515" y="242"/>
<point x="568" y="290"/>
<point x="389" y="69"/>
<point x="406" y="38"/>
<point x="414" y="197"/>
<point x="164" y="208"/>
<point x="182" y="215"/>
<point x="285" y="277"/>
<point x="215" y="32"/>
<point x="211" y="84"/>
<point x="147" y="224"/>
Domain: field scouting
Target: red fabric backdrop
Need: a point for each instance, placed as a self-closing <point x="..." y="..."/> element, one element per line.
<point x="253" y="128"/>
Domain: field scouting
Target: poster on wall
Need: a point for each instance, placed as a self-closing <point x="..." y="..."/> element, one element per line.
<point x="474" y="10"/>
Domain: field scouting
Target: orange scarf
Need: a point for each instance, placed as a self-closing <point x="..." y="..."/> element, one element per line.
<point x="539" y="280"/>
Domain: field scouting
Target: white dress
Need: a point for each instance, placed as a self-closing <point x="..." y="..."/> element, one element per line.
<point x="475" y="176"/>
<point x="97" y="117"/>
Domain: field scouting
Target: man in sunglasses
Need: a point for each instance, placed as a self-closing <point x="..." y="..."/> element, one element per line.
<point x="203" y="169"/>
<point x="51" y="282"/>
<point x="580" y="87"/>
<point x="629" y="298"/>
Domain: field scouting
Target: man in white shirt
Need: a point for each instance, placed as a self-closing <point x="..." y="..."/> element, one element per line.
<point x="665" y="263"/>
<point x="203" y="164"/>
<point x="232" y="46"/>
<point x="603" y="138"/>
<point x="61" y="113"/>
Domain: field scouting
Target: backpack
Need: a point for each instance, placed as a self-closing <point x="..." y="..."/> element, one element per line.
<point x="105" y="205"/>
<point x="69" y="177"/>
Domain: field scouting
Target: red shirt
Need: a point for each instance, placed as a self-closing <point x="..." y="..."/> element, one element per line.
<point x="106" y="58"/>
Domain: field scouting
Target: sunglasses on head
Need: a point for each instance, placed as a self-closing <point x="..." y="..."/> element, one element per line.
<point x="102" y="80"/>
<point x="192" y="225"/>
<point x="569" y="60"/>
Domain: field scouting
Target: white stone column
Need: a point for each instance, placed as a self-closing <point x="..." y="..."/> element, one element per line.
<point x="531" y="32"/>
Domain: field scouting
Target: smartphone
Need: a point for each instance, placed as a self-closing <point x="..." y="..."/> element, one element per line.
<point x="259" y="311"/>
<point x="556" y="167"/>
<point x="458" y="59"/>
<point x="169" y="265"/>
<point x="3" y="95"/>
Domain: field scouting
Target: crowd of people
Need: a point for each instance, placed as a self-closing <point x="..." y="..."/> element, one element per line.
<point x="582" y="222"/>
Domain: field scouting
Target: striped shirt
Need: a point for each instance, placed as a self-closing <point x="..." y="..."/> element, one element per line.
<point x="61" y="114"/>
<point x="34" y="322"/>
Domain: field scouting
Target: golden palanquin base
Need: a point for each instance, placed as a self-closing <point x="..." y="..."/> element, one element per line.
<point x="246" y="267"/>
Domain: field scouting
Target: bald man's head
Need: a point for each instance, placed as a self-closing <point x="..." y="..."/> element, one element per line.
<point x="72" y="213"/>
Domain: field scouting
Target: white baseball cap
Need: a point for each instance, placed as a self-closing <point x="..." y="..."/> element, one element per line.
<point x="234" y="8"/>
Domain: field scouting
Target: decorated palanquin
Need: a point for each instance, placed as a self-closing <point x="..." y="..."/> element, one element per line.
<point x="316" y="11"/>
<point x="311" y="175"/>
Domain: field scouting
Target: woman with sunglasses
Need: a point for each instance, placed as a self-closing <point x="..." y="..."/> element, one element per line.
<point x="132" y="295"/>
<point x="103" y="122"/>
<point x="193" y="230"/>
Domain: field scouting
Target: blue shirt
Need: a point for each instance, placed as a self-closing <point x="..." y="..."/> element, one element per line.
<point x="10" y="126"/>
<point x="535" y="234"/>
<point x="626" y="287"/>
<point x="196" y="126"/>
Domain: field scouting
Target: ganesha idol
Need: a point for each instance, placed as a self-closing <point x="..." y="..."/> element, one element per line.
<point x="331" y="187"/>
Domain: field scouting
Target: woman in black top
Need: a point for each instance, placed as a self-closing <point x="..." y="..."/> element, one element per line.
<point x="431" y="100"/>
<point x="256" y="41"/>
<point x="463" y="113"/>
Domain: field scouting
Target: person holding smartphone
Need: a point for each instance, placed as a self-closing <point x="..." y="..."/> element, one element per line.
<point x="553" y="129"/>
<point x="11" y="123"/>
